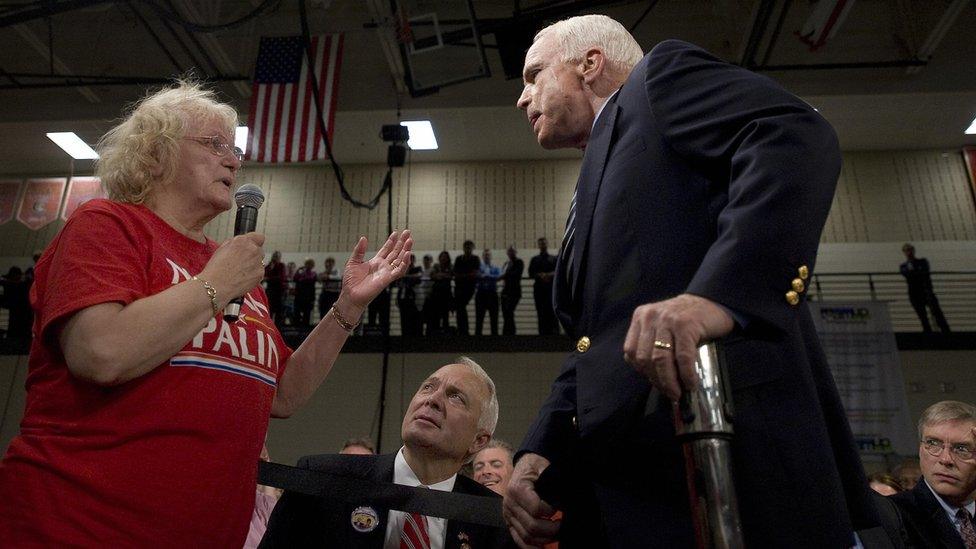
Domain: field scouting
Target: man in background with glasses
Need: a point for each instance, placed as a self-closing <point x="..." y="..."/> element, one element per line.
<point x="938" y="512"/>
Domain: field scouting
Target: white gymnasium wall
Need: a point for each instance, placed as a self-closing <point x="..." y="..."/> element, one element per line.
<point x="882" y="200"/>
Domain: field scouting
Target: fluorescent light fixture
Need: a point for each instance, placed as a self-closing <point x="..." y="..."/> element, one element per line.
<point x="421" y="135"/>
<point x="73" y="145"/>
<point x="971" y="130"/>
<point x="240" y="138"/>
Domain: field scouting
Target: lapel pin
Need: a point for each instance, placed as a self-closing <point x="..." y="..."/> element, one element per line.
<point x="364" y="519"/>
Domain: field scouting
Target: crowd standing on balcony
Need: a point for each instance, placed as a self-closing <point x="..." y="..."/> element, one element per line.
<point x="426" y="297"/>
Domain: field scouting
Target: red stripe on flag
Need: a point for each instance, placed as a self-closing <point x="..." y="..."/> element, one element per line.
<point x="279" y="118"/>
<point x="249" y="154"/>
<point x="263" y="139"/>
<point x="336" y="67"/>
<point x="323" y="69"/>
<point x="292" y="115"/>
<point x="321" y="63"/>
<point x="307" y="107"/>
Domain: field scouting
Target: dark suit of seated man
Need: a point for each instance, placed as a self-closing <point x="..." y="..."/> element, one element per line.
<point x="938" y="512"/>
<point x="450" y="418"/>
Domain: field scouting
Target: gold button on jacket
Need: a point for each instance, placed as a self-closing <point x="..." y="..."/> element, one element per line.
<point x="583" y="344"/>
<point x="798" y="285"/>
<point x="804" y="272"/>
<point x="792" y="297"/>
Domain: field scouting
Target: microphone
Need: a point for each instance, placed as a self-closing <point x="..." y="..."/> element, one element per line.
<point x="249" y="198"/>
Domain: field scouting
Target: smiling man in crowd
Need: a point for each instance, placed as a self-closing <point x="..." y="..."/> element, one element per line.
<point x="493" y="466"/>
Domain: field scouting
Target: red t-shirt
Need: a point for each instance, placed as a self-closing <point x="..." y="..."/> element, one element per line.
<point x="164" y="460"/>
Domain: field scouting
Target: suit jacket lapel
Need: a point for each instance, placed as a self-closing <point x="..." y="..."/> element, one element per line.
<point x="588" y="184"/>
<point x="947" y="532"/>
<point x="380" y="471"/>
<point x="462" y="535"/>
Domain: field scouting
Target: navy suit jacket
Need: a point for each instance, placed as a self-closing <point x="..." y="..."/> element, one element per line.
<point x="705" y="178"/>
<point x="299" y="520"/>
<point x="924" y="521"/>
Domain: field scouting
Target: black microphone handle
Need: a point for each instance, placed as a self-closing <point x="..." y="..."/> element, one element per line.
<point x="245" y="222"/>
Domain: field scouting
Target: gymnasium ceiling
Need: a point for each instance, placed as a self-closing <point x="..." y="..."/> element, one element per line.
<point x="897" y="74"/>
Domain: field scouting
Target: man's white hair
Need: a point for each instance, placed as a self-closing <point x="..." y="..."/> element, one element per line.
<point x="489" y="408"/>
<point x="576" y="35"/>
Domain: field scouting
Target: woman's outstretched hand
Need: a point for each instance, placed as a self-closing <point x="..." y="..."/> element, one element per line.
<point x="364" y="280"/>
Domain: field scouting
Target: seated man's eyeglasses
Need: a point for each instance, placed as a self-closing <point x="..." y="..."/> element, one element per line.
<point x="935" y="446"/>
<point x="218" y="145"/>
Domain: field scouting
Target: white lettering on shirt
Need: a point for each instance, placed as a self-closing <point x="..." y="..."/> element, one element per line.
<point x="242" y="337"/>
<point x="208" y="329"/>
<point x="178" y="272"/>
<point x="272" y="353"/>
<point x="255" y="305"/>
<point x="225" y="337"/>
<point x="267" y="354"/>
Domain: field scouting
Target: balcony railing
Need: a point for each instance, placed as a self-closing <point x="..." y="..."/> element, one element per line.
<point x="956" y="291"/>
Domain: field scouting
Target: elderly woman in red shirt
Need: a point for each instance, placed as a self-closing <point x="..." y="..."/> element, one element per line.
<point x="146" y="410"/>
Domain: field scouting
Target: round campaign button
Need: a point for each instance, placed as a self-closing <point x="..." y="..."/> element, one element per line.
<point x="364" y="519"/>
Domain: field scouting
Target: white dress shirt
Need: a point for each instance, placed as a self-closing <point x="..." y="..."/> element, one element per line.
<point x="600" y="110"/>
<point x="950" y="510"/>
<point x="436" y="526"/>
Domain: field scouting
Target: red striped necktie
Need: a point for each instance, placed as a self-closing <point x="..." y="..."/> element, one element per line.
<point x="414" y="534"/>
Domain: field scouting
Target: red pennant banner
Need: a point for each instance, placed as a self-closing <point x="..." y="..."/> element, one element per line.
<point x="81" y="190"/>
<point x="8" y="199"/>
<point x="41" y="202"/>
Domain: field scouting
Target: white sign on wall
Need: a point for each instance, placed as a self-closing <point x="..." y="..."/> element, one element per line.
<point x="863" y="356"/>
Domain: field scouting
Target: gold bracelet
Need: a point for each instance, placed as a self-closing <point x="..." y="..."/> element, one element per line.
<point x="211" y="292"/>
<point x="343" y="323"/>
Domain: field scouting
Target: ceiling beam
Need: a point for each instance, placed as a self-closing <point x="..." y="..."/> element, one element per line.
<point x="935" y="37"/>
<point x="72" y="81"/>
<point x="757" y="32"/>
<point x="220" y="59"/>
<point x="56" y="62"/>
<point x="159" y="42"/>
<point x="386" y="35"/>
<point x="834" y="66"/>
<point x="47" y="9"/>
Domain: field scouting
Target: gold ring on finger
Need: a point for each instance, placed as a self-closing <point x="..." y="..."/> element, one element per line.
<point x="662" y="345"/>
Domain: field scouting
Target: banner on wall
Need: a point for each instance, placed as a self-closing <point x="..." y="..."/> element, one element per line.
<point x="41" y="202"/>
<point x="969" y="154"/>
<point x="81" y="190"/>
<point x="8" y="199"/>
<point x="863" y="356"/>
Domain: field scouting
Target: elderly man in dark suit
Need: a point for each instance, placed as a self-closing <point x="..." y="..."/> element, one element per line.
<point x="697" y="215"/>
<point x="938" y="512"/>
<point x="449" y="419"/>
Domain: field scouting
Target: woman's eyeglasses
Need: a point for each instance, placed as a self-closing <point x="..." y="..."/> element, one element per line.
<point x="218" y="145"/>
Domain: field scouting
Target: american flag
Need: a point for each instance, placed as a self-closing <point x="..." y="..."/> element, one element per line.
<point x="283" y="126"/>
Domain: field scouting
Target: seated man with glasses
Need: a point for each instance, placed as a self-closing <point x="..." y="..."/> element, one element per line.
<point x="938" y="512"/>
